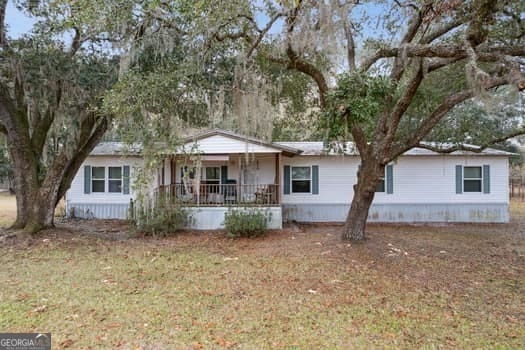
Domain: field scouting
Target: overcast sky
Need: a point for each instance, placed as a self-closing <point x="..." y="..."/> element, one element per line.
<point x="17" y="22"/>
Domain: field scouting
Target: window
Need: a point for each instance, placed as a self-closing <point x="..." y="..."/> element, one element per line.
<point x="301" y="179"/>
<point x="472" y="179"/>
<point x="381" y="185"/>
<point x="115" y="179"/>
<point x="212" y="175"/>
<point x="98" y="178"/>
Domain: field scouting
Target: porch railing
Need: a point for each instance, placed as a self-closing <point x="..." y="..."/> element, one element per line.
<point x="220" y="194"/>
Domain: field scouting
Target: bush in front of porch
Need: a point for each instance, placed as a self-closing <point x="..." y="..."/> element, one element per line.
<point x="246" y="222"/>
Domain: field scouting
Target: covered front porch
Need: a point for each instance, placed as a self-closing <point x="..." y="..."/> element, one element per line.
<point x="221" y="180"/>
<point x="218" y="171"/>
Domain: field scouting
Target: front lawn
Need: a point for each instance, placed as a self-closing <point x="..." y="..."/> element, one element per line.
<point x="457" y="286"/>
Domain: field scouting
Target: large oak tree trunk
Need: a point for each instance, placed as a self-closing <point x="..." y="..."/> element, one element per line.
<point x="36" y="200"/>
<point x="368" y="177"/>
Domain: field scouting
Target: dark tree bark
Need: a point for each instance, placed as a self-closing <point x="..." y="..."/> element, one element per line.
<point x="27" y="125"/>
<point x="364" y="192"/>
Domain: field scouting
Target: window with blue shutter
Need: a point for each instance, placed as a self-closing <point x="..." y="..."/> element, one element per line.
<point x="459" y="179"/>
<point x="486" y="178"/>
<point x="389" y="179"/>
<point x="286" y="179"/>
<point x="315" y="179"/>
<point x="386" y="184"/>
<point x="87" y="179"/>
<point x="126" y="175"/>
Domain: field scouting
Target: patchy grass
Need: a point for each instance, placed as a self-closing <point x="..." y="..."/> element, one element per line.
<point x="7" y="209"/>
<point x="455" y="286"/>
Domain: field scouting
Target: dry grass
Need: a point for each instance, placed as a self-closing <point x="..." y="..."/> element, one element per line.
<point x="7" y="209"/>
<point x="455" y="286"/>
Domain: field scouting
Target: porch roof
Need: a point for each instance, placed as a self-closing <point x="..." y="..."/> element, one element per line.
<point x="289" y="151"/>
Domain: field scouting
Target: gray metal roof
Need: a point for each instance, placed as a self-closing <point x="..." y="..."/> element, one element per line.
<point x="116" y="148"/>
<point x="304" y="148"/>
<point x="317" y="148"/>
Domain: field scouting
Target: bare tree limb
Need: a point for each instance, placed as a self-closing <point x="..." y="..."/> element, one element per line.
<point x="470" y="148"/>
<point x="449" y="51"/>
<point x="3" y="38"/>
<point x="76" y="43"/>
<point x="403" y="103"/>
<point x="262" y="33"/>
<point x="440" y="31"/>
<point x="350" y="45"/>
<point x="413" y="28"/>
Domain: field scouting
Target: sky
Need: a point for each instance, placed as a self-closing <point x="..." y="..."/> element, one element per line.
<point x="18" y="23"/>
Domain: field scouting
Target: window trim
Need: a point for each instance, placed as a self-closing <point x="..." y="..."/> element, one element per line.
<point x="93" y="178"/>
<point x="115" y="179"/>
<point x="480" y="179"/>
<point x="292" y="179"/>
<point x="204" y="176"/>
<point x="106" y="178"/>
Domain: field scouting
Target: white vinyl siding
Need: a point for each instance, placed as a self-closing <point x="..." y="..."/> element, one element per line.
<point x="219" y="144"/>
<point x="413" y="174"/>
<point x="76" y="194"/>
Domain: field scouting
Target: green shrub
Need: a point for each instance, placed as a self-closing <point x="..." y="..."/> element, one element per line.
<point x="162" y="220"/>
<point x="246" y="222"/>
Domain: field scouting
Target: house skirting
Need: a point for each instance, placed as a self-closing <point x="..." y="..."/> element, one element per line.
<point x="203" y="218"/>
<point x="212" y="218"/>
<point x="97" y="210"/>
<point x="402" y="213"/>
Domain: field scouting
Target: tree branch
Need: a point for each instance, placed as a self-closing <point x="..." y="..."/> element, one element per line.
<point x="262" y="33"/>
<point x="76" y="43"/>
<point x="42" y="125"/>
<point x="413" y="27"/>
<point x="3" y="38"/>
<point x="442" y="30"/>
<point x="83" y="151"/>
<point x="470" y="148"/>
<point x="403" y="103"/>
<point x="350" y="45"/>
<point x="430" y="122"/>
<point x="445" y="51"/>
<point x="360" y="139"/>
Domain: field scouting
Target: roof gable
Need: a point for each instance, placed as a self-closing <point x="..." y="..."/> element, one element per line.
<point x="222" y="142"/>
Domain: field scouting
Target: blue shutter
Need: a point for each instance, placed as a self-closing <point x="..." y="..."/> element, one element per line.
<point x="224" y="174"/>
<point x="286" y="184"/>
<point x="315" y="179"/>
<point x="87" y="179"/>
<point x="125" y="180"/>
<point x="486" y="178"/>
<point x="459" y="179"/>
<point x="390" y="179"/>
